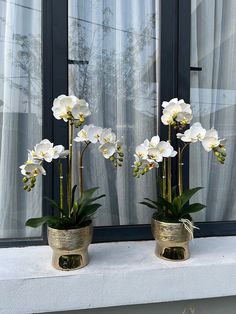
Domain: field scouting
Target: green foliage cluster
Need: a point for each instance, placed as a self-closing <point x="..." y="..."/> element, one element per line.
<point x="177" y="209"/>
<point x="79" y="215"/>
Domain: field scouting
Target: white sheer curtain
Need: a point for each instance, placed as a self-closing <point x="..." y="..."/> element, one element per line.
<point x="213" y="96"/>
<point x="115" y="44"/>
<point x="20" y="111"/>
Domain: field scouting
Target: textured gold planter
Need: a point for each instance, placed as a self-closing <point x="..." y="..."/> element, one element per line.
<point x="70" y="247"/>
<point x="172" y="240"/>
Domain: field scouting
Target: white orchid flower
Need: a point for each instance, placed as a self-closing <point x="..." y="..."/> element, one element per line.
<point x="108" y="149"/>
<point x="94" y="133"/>
<point x="166" y="103"/>
<point x="212" y="133"/>
<point x="43" y="150"/>
<point x="184" y="117"/>
<point x="154" y="155"/>
<point x="185" y="107"/>
<point x="107" y="136"/>
<point x="82" y="135"/>
<point x="60" y="152"/>
<point x="149" y="154"/>
<point x="186" y="137"/>
<point x="211" y="140"/>
<point x="172" y="109"/>
<point x="209" y="143"/>
<point x="141" y="152"/>
<point x="167" y="119"/>
<point x="195" y="133"/>
<point x="166" y="150"/>
<point x="81" y="110"/>
<point x="32" y="157"/>
<point x="154" y="141"/>
<point x="176" y="110"/>
<point x="30" y="170"/>
<point x="63" y="105"/>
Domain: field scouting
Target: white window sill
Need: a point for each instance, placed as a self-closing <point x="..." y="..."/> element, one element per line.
<point x="122" y="273"/>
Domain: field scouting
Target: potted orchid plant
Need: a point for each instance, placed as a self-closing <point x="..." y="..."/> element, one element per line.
<point x="70" y="230"/>
<point x="172" y="224"/>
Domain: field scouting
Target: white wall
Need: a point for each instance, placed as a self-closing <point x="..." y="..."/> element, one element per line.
<point x="225" y="305"/>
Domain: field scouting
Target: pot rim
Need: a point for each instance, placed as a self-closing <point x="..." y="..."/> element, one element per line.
<point x="78" y="228"/>
<point x="169" y="223"/>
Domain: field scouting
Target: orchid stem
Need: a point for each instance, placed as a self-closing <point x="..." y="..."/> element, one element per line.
<point x="81" y="187"/>
<point x="180" y="172"/>
<point x="180" y="168"/>
<point x="61" y="184"/>
<point x="169" y="169"/>
<point x="69" y="178"/>
<point x="164" y="179"/>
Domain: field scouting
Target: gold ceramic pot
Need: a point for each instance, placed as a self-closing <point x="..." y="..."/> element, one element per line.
<point x="172" y="240"/>
<point x="70" y="247"/>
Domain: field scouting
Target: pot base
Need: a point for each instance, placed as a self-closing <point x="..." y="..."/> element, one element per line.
<point x="70" y="247"/>
<point x="172" y="240"/>
<point x="172" y="251"/>
<point x="70" y="260"/>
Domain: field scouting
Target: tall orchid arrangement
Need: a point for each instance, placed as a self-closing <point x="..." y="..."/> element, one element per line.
<point x="172" y="203"/>
<point x="73" y="213"/>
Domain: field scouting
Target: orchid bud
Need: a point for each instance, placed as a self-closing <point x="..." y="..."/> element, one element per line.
<point x="81" y="119"/>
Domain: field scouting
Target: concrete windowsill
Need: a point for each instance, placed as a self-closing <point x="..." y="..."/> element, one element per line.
<point x="121" y="273"/>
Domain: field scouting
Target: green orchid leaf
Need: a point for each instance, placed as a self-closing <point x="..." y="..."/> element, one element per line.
<point x="36" y="222"/>
<point x="96" y="198"/>
<point x="75" y="208"/>
<point x="55" y="205"/>
<point x="73" y="194"/>
<point x="164" y="204"/>
<point x="85" y="213"/>
<point x="177" y="204"/>
<point x="149" y="205"/>
<point x="85" y="206"/>
<point x="187" y="194"/>
<point x="193" y="208"/>
<point x="160" y="184"/>
<point x="87" y="195"/>
<point x="157" y="204"/>
<point x="161" y="204"/>
<point x="149" y="200"/>
<point x="174" y="190"/>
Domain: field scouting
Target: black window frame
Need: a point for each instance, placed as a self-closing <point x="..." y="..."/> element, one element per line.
<point x="174" y="82"/>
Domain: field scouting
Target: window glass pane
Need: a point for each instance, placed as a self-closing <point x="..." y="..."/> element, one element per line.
<point x="213" y="96"/>
<point x="20" y="112"/>
<point x="114" y="45"/>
